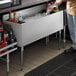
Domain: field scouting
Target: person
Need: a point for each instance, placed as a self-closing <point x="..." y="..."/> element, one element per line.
<point x="71" y="18"/>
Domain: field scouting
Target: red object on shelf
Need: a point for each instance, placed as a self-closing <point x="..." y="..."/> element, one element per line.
<point x="1" y="52"/>
<point x="15" y="20"/>
<point x="3" y="44"/>
<point x="14" y="12"/>
<point x="10" y="18"/>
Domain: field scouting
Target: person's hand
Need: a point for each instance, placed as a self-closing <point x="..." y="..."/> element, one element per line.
<point x="58" y="2"/>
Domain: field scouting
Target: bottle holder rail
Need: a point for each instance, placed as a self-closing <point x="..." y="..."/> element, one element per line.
<point x="8" y="51"/>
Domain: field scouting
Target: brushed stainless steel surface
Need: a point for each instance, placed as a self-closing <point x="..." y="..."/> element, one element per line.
<point x="4" y="1"/>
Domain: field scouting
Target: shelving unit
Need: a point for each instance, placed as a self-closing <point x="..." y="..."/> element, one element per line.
<point x="7" y="53"/>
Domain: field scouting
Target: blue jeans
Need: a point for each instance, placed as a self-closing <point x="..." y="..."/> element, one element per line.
<point x="72" y="29"/>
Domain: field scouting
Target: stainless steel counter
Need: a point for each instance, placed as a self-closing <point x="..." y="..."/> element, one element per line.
<point x="25" y="3"/>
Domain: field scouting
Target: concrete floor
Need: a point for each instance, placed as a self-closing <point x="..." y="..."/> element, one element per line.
<point x="34" y="55"/>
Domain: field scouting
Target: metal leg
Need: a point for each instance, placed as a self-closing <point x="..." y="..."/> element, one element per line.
<point x="59" y="38"/>
<point x="56" y="35"/>
<point x="64" y="39"/>
<point x="7" y="64"/>
<point x="22" y="49"/>
<point x="47" y="40"/>
<point x="64" y="28"/>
